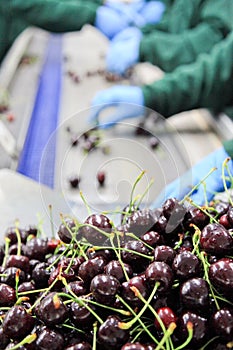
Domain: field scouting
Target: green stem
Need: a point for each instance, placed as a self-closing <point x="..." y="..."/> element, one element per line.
<point x="133" y="188"/>
<point x="189" y="338"/>
<point x="94" y="336"/>
<point x="51" y="220"/>
<point x="145" y="192"/>
<point x="85" y="203"/>
<point x="27" y="340"/>
<point x="7" y="244"/>
<point x="166" y="337"/>
<point x="225" y="165"/>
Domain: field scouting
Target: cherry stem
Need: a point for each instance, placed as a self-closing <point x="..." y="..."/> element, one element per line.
<point x="85" y="203"/>
<point x="140" y="321"/>
<point x="51" y="220"/>
<point x="94" y="336"/>
<point x="119" y="257"/>
<point x="7" y="244"/>
<point x="204" y="262"/>
<point x="17" y="282"/>
<point x="209" y="342"/>
<point x="122" y="312"/>
<point x="189" y="338"/>
<point x="145" y="192"/>
<point x="133" y="189"/>
<point x="225" y="165"/>
<point x="18" y="238"/>
<point x="74" y="328"/>
<point x="130" y="234"/>
<point x="27" y="340"/>
<point x="197" y="185"/>
<point x="166" y="337"/>
<point x="127" y="325"/>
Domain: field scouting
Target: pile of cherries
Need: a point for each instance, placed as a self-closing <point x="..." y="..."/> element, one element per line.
<point x="161" y="279"/>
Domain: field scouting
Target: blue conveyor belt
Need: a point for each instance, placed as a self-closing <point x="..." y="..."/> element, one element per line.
<point x="44" y="118"/>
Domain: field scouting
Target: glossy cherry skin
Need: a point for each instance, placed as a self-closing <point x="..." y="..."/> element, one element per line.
<point x="90" y="268"/>
<point x="110" y="335"/>
<point x="221" y="275"/>
<point x="134" y="346"/>
<point x="4" y="339"/>
<point x="104" y="288"/>
<point x="215" y="239"/>
<point x="195" y="216"/>
<point x="186" y="265"/>
<point x="37" y="248"/>
<point x="194" y="295"/>
<point x="222" y="323"/>
<point x="50" y="339"/>
<point x="129" y="296"/>
<point x="164" y="253"/>
<point x="96" y="237"/>
<point x="130" y="256"/>
<point x="79" y="346"/>
<point x="161" y="272"/>
<point x="52" y="310"/>
<point x="17" y="323"/>
<point x="152" y="238"/>
<point x="115" y="269"/>
<point x="200" y="328"/>
<point x="20" y="261"/>
<point x="166" y="315"/>
<point x="81" y="316"/>
<point x="66" y="230"/>
<point x="7" y="295"/>
<point x="141" y="221"/>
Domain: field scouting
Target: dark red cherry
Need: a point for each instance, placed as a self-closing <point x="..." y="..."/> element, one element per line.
<point x="9" y="276"/>
<point x="186" y="265"/>
<point x="81" y="316"/>
<point x="41" y="274"/>
<point x="174" y="212"/>
<point x="215" y="239"/>
<point x="74" y="181"/>
<point x="52" y="310"/>
<point x="164" y="253"/>
<point x="200" y="328"/>
<point x="37" y="248"/>
<point x="221" y="275"/>
<point x="128" y="295"/>
<point x="230" y="216"/>
<point x="222" y="323"/>
<point x="7" y="295"/>
<point x="196" y="217"/>
<point x="141" y="221"/>
<point x="161" y="272"/>
<point x="101" y="178"/>
<point x="79" y="346"/>
<point x="152" y="238"/>
<point x="223" y="220"/>
<point x="102" y="223"/>
<point x="110" y="335"/>
<point x="104" y="288"/>
<point x="166" y="315"/>
<point x="17" y="322"/>
<point x="115" y="269"/>
<point x="77" y="287"/>
<point x="90" y="268"/>
<point x="19" y="261"/>
<point x="194" y="295"/>
<point x="4" y="339"/>
<point x="50" y="339"/>
<point x="66" y="230"/>
<point x="132" y="254"/>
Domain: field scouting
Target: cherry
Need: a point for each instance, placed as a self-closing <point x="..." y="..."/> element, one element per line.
<point x="61" y="271"/>
<point x="92" y="235"/>
<point x="152" y="238"/>
<point x="199" y="328"/>
<point x="223" y="220"/>
<point x="141" y="221"/>
<point x="107" y="254"/>
<point x="115" y="269"/>
<point x="161" y="272"/>
<point x="230" y="215"/>
<point x="74" y="181"/>
<point x="153" y="142"/>
<point x="186" y="265"/>
<point x="41" y="274"/>
<point x="167" y="316"/>
<point x="50" y="339"/>
<point x="17" y="322"/>
<point x="128" y="295"/>
<point x="9" y="276"/>
<point x="222" y="323"/>
<point x="110" y="335"/>
<point x="221" y="275"/>
<point x="11" y="233"/>
<point x="164" y="253"/>
<point x="195" y="216"/>
<point x="80" y="315"/>
<point x="2" y="254"/>
<point x="104" y="288"/>
<point x="7" y="295"/>
<point x="66" y="230"/>
<point x="90" y="268"/>
<point x="52" y="310"/>
<point x="130" y="256"/>
<point x="19" y="261"/>
<point x="37" y="248"/>
<point x="194" y="294"/>
<point x="77" y="287"/>
<point x="215" y="239"/>
<point x="101" y="177"/>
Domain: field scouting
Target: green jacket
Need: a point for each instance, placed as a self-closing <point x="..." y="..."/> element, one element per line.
<point x="51" y="15"/>
<point x="206" y="83"/>
<point x="187" y="29"/>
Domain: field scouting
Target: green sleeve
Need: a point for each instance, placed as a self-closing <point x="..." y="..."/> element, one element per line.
<point x="228" y="145"/>
<point x="207" y="83"/>
<point x="187" y="34"/>
<point x="53" y="15"/>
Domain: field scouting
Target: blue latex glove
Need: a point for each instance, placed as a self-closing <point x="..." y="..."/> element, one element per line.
<point x="109" y="21"/>
<point x="152" y="12"/>
<point x="214" y="184"/>
<point x="123" y="51"/>
<point x="127" y="100"/>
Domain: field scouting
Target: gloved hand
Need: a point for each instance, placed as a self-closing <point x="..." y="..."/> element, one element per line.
<point x="124" y="50"/>
<point x="128" y="101"/>
<point x="109" y="21"/>
<point x="152" y="12"/>
<point x="214" y="182"/>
